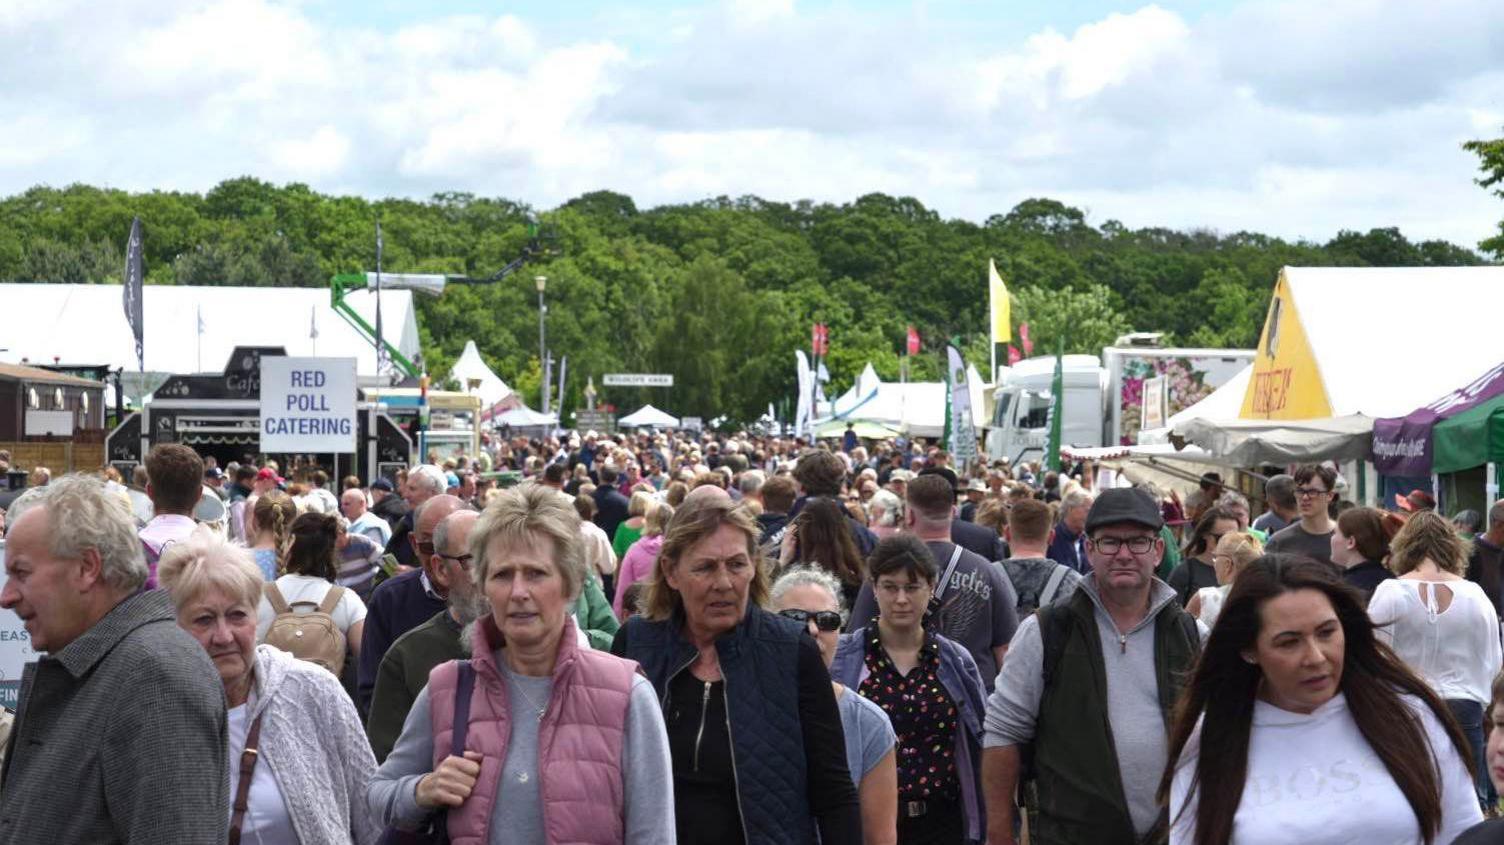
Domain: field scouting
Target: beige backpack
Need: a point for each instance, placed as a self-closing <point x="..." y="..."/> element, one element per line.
<point x="308" y="636"/>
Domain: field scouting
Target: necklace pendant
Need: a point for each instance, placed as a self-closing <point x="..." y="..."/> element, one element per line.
<point x="522" y="777"/>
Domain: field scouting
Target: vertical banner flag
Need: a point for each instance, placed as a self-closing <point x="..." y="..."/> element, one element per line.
<point x="1013" y="356"/>
<point x="804" y="409"/>
<point x="819" y="339"/>
<point x="1057" y="408"/>
<point x="380" y="344"/>
<point x="913" y="341"/>
<point x="1023" y="337"/>
<point x="313" y="322"/>
<point x="962" y="429"/>
<point x="134" y="273"/>
<point x="559" y="406"/>
<point x="1002" y="330"/>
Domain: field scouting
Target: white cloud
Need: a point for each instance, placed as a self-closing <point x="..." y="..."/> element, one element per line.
<point x="1295" y="119"/>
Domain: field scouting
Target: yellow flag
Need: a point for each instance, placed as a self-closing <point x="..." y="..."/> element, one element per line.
<point x="1002" y="329"/>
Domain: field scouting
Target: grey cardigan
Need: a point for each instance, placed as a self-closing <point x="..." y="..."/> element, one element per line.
<point x="119" y="737"/>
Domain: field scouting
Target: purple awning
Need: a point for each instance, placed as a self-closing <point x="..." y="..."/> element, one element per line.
<point x="1402" y="445"/>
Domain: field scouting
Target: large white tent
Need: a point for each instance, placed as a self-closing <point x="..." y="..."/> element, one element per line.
<point x="193" y="329"/>
<point x="648" y="417"/>
<point x="917" y="407"/>
<point x="524" y="417"/>
<point x="471" y="366"/>
<point x="1329" y="360"/>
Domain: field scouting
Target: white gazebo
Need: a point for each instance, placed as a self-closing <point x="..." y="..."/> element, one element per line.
<point x="648" y="417"/>
<point x="470" y="366"/>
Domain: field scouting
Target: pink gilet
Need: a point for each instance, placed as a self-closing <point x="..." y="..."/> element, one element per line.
<point x="580" y="740"/>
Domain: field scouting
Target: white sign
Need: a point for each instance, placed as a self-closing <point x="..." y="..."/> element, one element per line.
<point x="307" y="404"/>
<point x="49" y="422"/>
<point x="692" y="423"/>
<point x="15" y="647"/>
<point x="638" y="380"/>
<point x="1156" y="402"/>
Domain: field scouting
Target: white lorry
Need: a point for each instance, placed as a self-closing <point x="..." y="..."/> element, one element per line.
<point x="1103" y="399"/>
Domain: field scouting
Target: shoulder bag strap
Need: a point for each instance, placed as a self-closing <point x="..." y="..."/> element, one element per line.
<point x="1052" y="586"/>
<point x="464" y="689"/>
<point x="331" y="599"/>
<point x="955" y="557"/>
<point x="248" y="759"/>
<point x="274" y="597"/>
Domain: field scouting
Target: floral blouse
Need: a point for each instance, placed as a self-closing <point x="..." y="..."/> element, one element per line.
<point x="923" y="716"/>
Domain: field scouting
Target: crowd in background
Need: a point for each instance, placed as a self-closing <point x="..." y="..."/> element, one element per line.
<point x="663" y="637"/>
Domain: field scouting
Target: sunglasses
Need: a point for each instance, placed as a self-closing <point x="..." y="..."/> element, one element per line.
<point x="825" y="620"/>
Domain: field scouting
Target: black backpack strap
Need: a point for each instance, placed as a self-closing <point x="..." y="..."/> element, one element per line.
<point x="464" y="689"/>
<point x="1054" y="629"/>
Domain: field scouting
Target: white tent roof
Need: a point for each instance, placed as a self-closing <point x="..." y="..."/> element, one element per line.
<point x="648" y="417"/>
<point x="86" y="324"/>
<point x="470" y="366"/>
<point x="918" y="406"/>
<point x="1349" y="314"/>
<point x="524" y="417"/>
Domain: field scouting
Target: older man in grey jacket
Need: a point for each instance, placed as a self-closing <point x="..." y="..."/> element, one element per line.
<point x="120" y="733"/>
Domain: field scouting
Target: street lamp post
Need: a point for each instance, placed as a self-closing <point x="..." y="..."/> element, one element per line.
<point x="543" y="361"/>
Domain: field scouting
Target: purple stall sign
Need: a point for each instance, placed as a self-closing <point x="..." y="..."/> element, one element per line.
<point x="1402" y="445"/>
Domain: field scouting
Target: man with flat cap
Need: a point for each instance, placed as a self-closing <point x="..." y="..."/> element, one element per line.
<point x="1114" y="655"/>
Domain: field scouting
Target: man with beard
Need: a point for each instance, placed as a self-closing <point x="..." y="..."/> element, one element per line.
<point x="404" y="670"/>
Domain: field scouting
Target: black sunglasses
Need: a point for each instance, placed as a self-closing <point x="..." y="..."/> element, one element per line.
<point x="825" y="620"/>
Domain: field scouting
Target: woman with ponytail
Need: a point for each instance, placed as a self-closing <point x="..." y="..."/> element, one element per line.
<point x="1298" y="725"/>
<point x="272" y="519"/>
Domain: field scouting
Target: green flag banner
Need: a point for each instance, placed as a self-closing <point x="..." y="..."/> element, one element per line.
<point x="1057" y="403"/>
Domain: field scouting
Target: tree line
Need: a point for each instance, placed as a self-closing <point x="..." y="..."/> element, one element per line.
<point x="718" y="292"/>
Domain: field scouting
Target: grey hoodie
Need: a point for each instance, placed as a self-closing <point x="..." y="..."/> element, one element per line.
<point x="1138" y="727"/>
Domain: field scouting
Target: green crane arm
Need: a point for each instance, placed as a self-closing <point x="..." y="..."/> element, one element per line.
<point x="355" y="281"/>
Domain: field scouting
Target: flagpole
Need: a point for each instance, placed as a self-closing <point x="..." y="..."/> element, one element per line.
<point x="199" y="324"/>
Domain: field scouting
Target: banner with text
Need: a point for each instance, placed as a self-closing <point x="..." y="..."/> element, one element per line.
<point x="15" y="648"/>
<point x="307" y="404"/>
<point x="638" y="380"/>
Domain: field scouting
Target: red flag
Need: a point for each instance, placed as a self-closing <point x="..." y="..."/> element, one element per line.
<point x="1023" y="336"/>
<point x="913" y="345"/>
<point x="814" y="339"/>
<point x="1013" y="355"/>
<point x="824" y="339"/>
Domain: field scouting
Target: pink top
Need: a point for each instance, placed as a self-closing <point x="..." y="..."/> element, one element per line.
<point x="636" y="565"/>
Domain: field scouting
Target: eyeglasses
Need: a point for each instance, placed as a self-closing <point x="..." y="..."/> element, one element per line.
<point x="825" y="620"/>
<point x="1310" y="492"/>
<point x="424" y="547"/>
<point x="1112" y="545"/>
<point x="463" y="560"/>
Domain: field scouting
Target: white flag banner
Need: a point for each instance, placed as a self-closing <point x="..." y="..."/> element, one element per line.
<point x="804" y="410"/>
<point x="963" y="445"/>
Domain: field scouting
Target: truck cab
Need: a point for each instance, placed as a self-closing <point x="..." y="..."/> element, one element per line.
<point x="1020" y="424"/>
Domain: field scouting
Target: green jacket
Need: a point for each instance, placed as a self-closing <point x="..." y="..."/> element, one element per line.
<point x="592" y="612"/>
<point x="1080" y="787"/>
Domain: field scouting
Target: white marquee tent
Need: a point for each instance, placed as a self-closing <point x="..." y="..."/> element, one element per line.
<point x="917" y="407"/>
<point x="471" y="366"/>
<point x="194" y="329"/>
<point x="647" y="417"/>
<point x="525" y="417"/>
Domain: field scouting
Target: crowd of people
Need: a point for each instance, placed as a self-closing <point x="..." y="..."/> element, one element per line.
<point x="665" y="637"/>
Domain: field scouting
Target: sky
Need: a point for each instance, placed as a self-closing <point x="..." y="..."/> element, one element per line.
<point x="1297" y="119"/>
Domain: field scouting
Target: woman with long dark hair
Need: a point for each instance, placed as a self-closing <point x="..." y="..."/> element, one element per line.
<point x="1299" y="726"/>
<point x="820" y="537"/>
<point x="1198" y="570"/>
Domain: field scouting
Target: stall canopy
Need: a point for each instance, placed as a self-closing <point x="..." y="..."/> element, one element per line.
<point x="1402" y="446"/>
<point x="524" y="417"/>
<point x="190" y="328"/>
<point x="1325" y="368"/>
<point x="647" y="417"/>
<point x="916" y="407"/>
<point x="470" y="366"/>
<point x="1470" y="439"/>
<point x="865" y="429"/>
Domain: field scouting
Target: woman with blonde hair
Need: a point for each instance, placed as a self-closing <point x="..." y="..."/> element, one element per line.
<point x="289" y="720"/>
<point x="271" y="519"/>
<point x="630" y="531"/>
<point x="1231" y="554"/>
<point x="1441" y="625"/>
<point x="638" y="562"/>
<point x="536" y="738"/>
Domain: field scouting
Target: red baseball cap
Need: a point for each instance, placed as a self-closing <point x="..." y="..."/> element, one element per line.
<point x="267" y="474"/>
